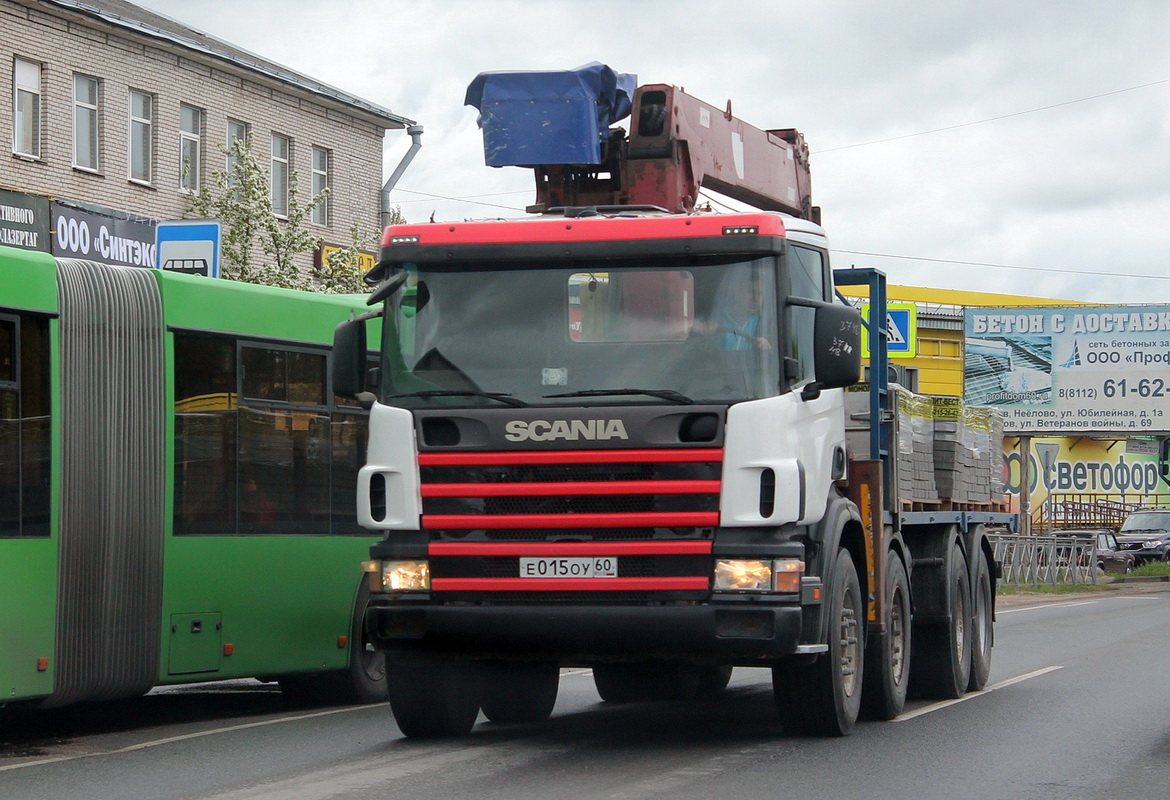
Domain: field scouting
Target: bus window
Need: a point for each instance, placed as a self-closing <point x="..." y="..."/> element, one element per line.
<point x="205" y="434"/>
<point x="25" y="435"/>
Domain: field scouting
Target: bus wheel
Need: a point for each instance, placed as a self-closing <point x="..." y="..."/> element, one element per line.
<point x="432" y="697"/>
<point x="982" y="635"/>
<point x="941" y="666"/>
<point x="515" y="692"/>
<point x="365" y="680"/>
<point x="887" y="659"/>
<point x="823" y="698"/>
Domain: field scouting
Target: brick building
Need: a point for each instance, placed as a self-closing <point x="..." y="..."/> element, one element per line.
<point x="116" y="114"/>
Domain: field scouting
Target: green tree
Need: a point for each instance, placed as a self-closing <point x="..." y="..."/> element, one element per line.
<point x="256" y="245"/>
<point x="342" y="272"/>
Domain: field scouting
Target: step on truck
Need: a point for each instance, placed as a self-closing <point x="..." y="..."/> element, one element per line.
<point x="615" y="434"/>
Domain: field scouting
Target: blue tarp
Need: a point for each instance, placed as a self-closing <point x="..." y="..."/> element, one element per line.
<point x="553" y="117"/>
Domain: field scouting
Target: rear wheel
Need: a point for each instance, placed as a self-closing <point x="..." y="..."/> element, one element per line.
<point x="941" y="664"/>
<point x="631" y="683"/>
<point x="823" y="698"/>
<point x="517" y="693"/>
<point x="982" y="632"/>
<point x="431" y="696"/>
<point x="887" y="658"/>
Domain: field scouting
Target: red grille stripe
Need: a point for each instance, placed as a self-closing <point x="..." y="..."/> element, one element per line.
<point x="568" y="548"/>
<point x="570" y="457"/>
<point x="568" y="488"/>
<point x="568" y="584"/>
<point x="678" y="519"/>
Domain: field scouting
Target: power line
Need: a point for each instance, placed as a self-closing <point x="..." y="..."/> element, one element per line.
<point x="430" y="196"/>
<point x="1003" y="266"/>
<point x="993" y="119"/>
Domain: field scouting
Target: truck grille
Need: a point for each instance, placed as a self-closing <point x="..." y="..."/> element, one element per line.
<point x="652" y="511"/>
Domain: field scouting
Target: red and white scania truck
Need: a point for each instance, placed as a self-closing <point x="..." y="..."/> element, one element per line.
<point x="613" y="435"/>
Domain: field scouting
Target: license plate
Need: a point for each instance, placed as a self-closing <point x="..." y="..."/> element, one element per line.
<point x="571" y="567"/>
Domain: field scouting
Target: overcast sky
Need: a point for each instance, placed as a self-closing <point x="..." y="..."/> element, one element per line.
<point x="949" y="139"/>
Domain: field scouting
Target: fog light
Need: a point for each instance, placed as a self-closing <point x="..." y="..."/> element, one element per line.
<point x="743" y="576"/>
<point x="787" y="572"/>
<point x="399" y="575"/>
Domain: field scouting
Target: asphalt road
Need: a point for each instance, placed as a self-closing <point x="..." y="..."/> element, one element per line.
<point x="1078" y="707"/>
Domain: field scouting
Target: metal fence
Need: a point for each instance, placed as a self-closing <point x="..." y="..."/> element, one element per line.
<point x="1083" y="510"/>
<point x="1045" y="560"/>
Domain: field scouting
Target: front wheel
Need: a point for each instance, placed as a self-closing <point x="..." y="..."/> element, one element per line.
<point x="823" y="698"/>
<point x="519" y="693"/>
<point x="432" y="697"/>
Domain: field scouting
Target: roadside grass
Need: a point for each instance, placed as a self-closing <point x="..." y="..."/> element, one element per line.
<point x="1060" y="588"/>
<point x="1152" y="569"/>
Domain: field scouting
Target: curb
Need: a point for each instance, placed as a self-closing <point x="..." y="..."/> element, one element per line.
<point x="1143" y="579"/>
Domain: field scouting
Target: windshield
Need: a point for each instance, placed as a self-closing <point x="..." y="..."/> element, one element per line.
<point x="1147" y="521"/>
<point x="693" y="332"/>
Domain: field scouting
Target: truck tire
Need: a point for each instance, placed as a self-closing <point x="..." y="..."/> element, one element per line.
<point x="823" y="698"/>
<point x="633" y="683"/>
<point x="515" y="692"/>
<point x="940" y="668"/>
<point x="713" y="680"/>
<point x="887" y="658"/>
<point x="982" y="631"/>
<point x="432" y="697"/>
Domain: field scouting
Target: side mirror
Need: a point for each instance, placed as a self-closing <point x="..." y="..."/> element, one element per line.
<point x="349" y="358"/>
<point x="837" y="346"/>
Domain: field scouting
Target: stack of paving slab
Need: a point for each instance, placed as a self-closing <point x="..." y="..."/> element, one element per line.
<point x="915" y="447"/>
<point x="944" y="450"/>
<point x="968" y="443"/>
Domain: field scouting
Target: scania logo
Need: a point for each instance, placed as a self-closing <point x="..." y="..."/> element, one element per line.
<point x="543" y="430"/>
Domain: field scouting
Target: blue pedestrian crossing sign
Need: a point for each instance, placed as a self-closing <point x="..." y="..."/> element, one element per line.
<point x="901" y="330"/>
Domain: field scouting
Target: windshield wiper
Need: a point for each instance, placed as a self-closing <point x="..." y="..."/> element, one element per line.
<point x="502" y="397"/>
<point x="664" y="394"/>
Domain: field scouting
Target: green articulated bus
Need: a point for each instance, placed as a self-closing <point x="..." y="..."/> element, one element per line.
<point x="177" y="485"/>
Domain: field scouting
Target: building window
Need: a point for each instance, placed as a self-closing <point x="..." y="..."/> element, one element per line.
<point x="190" y="141"/>
<point x="26" y="104"/>
<point x="281" y="146"/>
<point x="236" y="132"/>
<point x="320" y="184"/>
<point x="85" y="122"/>
<point x="141" y="136"/>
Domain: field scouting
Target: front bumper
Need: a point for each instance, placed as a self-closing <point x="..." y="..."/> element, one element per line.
<point x="717" y="634"/>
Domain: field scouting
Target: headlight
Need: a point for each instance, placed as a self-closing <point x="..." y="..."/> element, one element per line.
<point x="399" y="575"/>
<point x="1150" y="545"/>
<point x="778" y="575"/>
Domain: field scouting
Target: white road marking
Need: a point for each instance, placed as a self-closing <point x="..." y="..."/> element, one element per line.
<point x="1001" y="685"/>
<point x="187" y="736"/>
<point x="1069" y="604"/>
